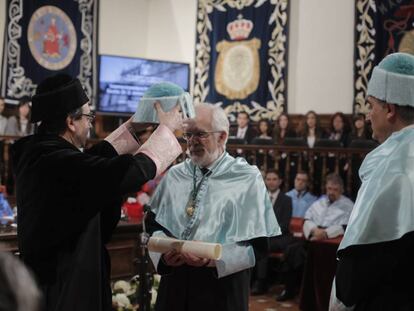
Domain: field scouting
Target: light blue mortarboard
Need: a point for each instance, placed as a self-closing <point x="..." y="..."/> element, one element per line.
<point x="169" y="95"/>
<point x="392" y="81"/>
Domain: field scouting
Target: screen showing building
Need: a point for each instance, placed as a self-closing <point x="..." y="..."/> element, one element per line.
<point x="123" y="80"/>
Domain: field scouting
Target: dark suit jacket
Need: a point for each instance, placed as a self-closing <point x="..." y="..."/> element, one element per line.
<point x="250" y="133"/>
<point x="283" y="212"/>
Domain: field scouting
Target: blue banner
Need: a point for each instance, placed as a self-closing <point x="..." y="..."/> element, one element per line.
<point x="45" y="37"/>
<point x="241" y="56"/>
<point x="381" y="27"/>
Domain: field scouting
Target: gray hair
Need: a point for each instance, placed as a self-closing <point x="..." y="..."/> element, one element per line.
<point x="219" y="120"/>
<point x="18" y="291"/>
<point x="335" y="179"/>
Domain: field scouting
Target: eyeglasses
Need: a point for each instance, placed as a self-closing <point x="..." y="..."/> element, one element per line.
<point x="90" y="116"/>
<point x="199" y="135"/>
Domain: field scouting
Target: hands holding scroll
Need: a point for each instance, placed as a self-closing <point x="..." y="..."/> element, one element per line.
<point x="175" y="259"/>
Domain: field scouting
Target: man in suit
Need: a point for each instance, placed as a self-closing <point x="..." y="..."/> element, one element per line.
<point x="244" y="130"/>
<point x="282" y="206"/>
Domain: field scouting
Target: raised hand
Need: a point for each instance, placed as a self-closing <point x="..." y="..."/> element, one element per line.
<point x="172" y="119"/>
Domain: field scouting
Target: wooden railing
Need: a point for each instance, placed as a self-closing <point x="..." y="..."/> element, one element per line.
<point x="288" y="160"/>
<point x="318" y="162"/>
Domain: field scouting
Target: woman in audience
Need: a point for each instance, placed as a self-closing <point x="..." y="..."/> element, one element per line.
<point x="360" y="131"/>
<point x="283" y="129"/>
<point x="19" y="124"/>
<point x="3" y="119"/>
<point x="3" y="124"/>
<point x="264" y="129"/>
<point x="359" y="128"/>
<point x="264" y="133"/>
<point x="339" y="129"/>
<point x="312" y="131"/>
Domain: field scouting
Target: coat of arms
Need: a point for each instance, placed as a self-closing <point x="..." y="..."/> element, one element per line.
<point x="238" y="69"/>
<point x="52" y="38"/>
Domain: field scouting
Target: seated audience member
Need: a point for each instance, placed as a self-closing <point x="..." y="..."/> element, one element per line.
<point x="19" y="124"/>
<point x="5" y="210"/>
<point x="312" y="130"/>
<point x="283" y="129"/>
<point x="327" y="217"/>
<point x="3" y="119"/>
<point x="18" y="290"/>
<point x="339" y="129"/>
<point x="360" y="130"/>
<point x="244" y="129"/>
<point x="264" y="134"/>
<point x="3" y="124"/>
<point x="282" y="206"/>
<point x="264" y="129"/>
<point x="301" y="197"/>
<point x="312" y="133"/>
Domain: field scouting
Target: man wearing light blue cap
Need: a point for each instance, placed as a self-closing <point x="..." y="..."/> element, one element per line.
<point x="375" y="269"/>
<point x="211" y="197"/>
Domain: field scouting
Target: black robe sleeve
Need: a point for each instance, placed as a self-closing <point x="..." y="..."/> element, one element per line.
<point x="283" y="212"/>
<point x="367" y="274"/>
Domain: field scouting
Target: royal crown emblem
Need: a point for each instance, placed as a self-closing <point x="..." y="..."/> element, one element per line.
<point x="237" y="71"/>
<point x="239" y="29"/>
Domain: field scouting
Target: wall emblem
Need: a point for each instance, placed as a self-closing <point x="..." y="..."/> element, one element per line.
<point x="238" y="68"/>
<point x="51" y="37"/>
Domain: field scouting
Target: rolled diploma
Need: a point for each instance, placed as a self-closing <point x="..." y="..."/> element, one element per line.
<point x="199" y="249"/>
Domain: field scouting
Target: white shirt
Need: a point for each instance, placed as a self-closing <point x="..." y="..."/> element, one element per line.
<point x="273" y="196"/>
<point x="241" y="132"/>
<point x="311" y="141"/>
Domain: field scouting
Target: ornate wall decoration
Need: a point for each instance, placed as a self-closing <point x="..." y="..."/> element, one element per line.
<point x="47" y="38"/>
<point x="241" y="56"/>
<point x="381" y="27"/>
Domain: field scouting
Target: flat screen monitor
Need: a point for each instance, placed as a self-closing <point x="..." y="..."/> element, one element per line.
<point x="123" y="80"/>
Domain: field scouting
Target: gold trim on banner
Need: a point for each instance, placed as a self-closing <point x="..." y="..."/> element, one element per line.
<point x="365" y="51"/>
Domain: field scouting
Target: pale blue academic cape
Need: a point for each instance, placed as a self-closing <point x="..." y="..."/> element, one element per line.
<point x="232" y="207"/>
<point x="384" y="208"/>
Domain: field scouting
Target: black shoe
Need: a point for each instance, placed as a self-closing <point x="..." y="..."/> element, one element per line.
<point x="285" y="295"/>
<point x="258" y="288"/>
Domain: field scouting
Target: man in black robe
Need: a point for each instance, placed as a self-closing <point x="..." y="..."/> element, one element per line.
<point x="69" y="201"/>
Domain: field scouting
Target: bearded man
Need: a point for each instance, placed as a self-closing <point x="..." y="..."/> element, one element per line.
<point x="211" y="197"/>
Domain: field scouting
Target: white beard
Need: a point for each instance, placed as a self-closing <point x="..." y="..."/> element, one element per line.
<point x="206" y="159"/>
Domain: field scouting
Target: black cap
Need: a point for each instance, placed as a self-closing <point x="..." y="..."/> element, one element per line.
<point x="58" y="100"/>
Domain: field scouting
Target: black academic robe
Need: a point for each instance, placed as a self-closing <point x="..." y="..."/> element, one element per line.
<point x="283" y="213"/>
<point x="187" y="288"/>
<point x="68" y="205"/>
<point x="377" y="277"/>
